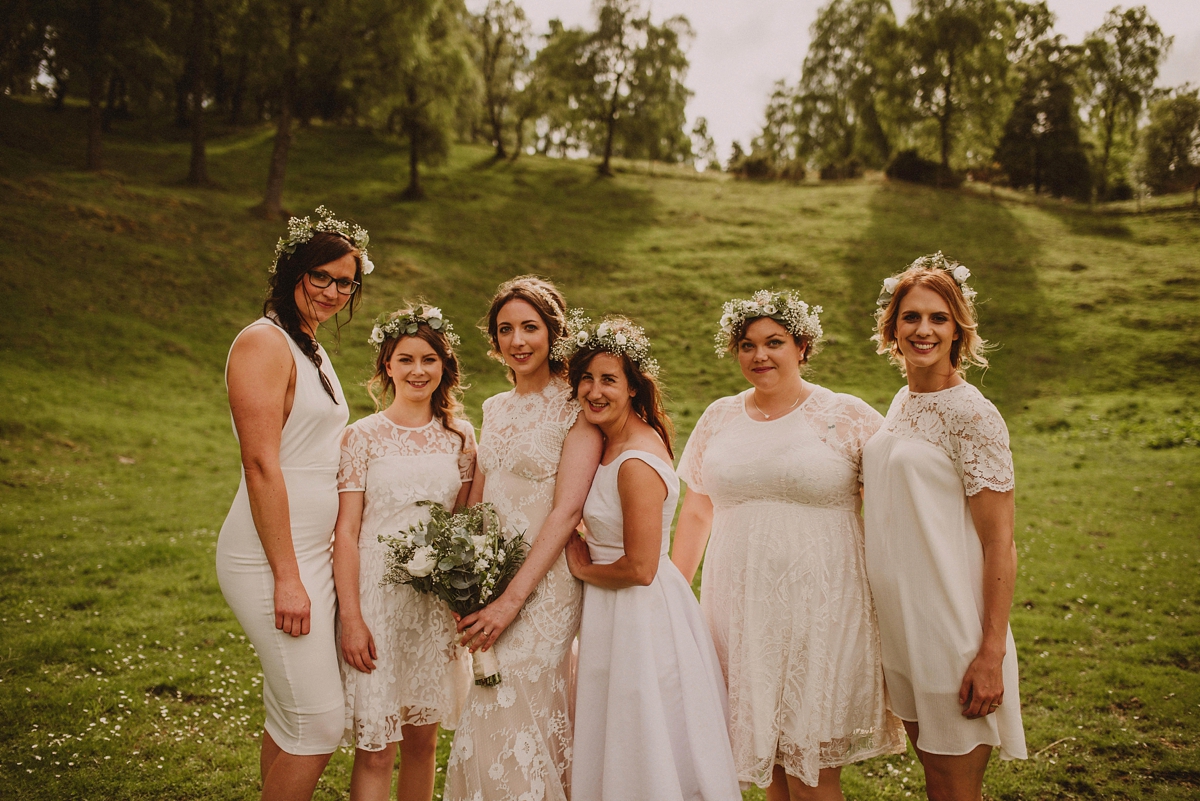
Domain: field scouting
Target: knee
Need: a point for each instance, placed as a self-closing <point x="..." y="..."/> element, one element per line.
<point x="376" y="761"/>
<point x="419" y="745"/>
<point x="327" y="728"/>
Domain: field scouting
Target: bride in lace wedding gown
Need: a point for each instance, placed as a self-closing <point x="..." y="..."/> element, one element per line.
<point x="536" y="462"/>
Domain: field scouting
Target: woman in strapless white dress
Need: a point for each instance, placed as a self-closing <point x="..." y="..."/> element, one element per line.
<point x="273" y="554"/>
<point x="650" y="708"/>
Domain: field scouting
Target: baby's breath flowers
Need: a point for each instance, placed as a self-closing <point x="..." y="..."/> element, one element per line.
<point x="785" y="308"/>
<point x="301" y="229"/>
<point x="406" y="321"/>
<point x="935" y="261"/>
<point x="614" y="334"/>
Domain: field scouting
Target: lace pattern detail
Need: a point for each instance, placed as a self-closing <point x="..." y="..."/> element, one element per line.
<point x="513" y="742"/>
<point x="784" y="587"/>
<point x="421" y="673"/>
<point x="965" y="426"/>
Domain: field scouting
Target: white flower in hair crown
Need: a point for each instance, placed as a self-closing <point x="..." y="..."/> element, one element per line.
<point x="785" y="308"/>
<point x="397" y="324"/>
<point x="614" y="335"/>
<point x="301" y="229"/>
<point x="935" y="261"/>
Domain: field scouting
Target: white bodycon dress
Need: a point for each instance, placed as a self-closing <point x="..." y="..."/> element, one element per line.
<point x="302" y="688"/>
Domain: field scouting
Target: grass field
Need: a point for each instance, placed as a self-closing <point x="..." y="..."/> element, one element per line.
<point x="124" y="675"/>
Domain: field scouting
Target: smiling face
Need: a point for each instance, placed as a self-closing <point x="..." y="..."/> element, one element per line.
<point x="604" y="390"/>
<point x="926" y="331"/>
<point x="768" y="354"/>
<point x="317" y="305"/>
<point x="415" y="369"/>
<point x="523" y="339"/>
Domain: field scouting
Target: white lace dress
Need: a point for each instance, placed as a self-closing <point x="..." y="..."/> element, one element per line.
<point x="925" y="561"/>
<point x="421" y="674"/>
<point x="784" y="586"/>
<point x="650" y="714"/>
<point x="514" y="740"/>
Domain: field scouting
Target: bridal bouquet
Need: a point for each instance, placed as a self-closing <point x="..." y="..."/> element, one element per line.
<point x="461" y="558"/>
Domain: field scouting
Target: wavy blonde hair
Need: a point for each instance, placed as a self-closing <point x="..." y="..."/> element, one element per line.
<point x="967" y="350"/>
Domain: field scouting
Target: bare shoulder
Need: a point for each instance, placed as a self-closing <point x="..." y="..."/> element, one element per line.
<point x="260" y="357"/>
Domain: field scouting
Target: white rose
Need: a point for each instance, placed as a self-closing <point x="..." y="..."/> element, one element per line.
<point x="422" y="562"/>
<point x="376" y="336"/>
<point x="478" y="541"/>
<point x="770" y="309"/>
<point x="620" y="340"/>
<point x="433" y="312"/>
<point x="890" y="284"/>
<point x="961" y="274"/>
<point x="726" y="321"/>
<point x="367" y="265"/>
<point x="602" y="329"/>
<point x="582" y="337"/>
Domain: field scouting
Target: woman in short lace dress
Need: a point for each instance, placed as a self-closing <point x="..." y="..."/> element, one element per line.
<point x="938" y="479"/>
<point x="536" y="462"/>
<point x="402" y="667"/>
<point x="774" y="474"/>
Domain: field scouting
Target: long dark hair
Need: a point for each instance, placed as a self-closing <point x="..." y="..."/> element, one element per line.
<point x="647" y="400"/>
<point x="547" y="301"/>
<point x="281" y="291"/>
<point x="446" y="401"/>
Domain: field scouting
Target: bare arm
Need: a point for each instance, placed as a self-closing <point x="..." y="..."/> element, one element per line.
<point x="691" y="533"/>
<point x="580" y="457"/>
<point x="261" y="376"/>
<point x="994" y="514"/>
<point x="358" y="646"/>
<point x="642" y="494"/>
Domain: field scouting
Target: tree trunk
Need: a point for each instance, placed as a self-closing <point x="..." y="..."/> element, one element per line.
<point x="272" y="204"/>
<point x="1109" y="126"/>
<point x="96" y="70"/>
<point x="238" y="94"/>
<point x="611" y="124"/>
<point x="944" y="119"/>
<point x="412" y="127"/>
<point x="198" y="170"/>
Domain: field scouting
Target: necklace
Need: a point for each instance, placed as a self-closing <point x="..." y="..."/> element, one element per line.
<point x="785" y="411"/>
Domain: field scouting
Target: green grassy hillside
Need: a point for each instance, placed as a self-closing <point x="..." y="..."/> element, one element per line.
<point x="123" y="674"/>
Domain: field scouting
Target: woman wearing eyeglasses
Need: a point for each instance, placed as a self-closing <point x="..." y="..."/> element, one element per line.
<point x="274" y="559"/>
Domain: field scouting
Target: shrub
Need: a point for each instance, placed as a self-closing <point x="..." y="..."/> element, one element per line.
<point x="908" y="165"/>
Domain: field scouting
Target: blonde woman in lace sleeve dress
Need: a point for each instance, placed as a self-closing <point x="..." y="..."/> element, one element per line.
<point x="939" y="523"/>
<point x="774" y="474"/>
<point x="403" y="671"/>
<point x="537" y="456"/>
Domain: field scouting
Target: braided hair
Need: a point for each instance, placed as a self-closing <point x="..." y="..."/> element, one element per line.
<point x="290" y="270"/>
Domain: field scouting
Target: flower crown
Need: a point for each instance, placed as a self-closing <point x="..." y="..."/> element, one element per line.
<point x="401" y="323"/>
<point x="301" y="229"/>
<point x="785" y="308"/>
<point x="936" y="261"/>
<point x="615" y="335"/>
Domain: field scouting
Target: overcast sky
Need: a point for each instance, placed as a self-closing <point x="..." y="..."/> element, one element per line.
<point x="743" y="46"/>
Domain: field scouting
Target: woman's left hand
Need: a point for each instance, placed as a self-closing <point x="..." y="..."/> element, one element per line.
<point x="578" y="555"/>
<point x="982" y="689"/>
<point x="481" y="629"/>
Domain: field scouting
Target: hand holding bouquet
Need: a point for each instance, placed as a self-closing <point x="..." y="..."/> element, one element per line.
<point x="461" y="558"/>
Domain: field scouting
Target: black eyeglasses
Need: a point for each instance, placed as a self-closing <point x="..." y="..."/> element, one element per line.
<point x="322" y="280"/>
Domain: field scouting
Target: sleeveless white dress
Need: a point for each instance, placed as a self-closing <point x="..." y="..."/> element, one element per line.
<point x="784" y="586"/>
<point x="650" y="706"/>
<point x="925" y="561"/>
<point x="420" y="675"/>
<point x="513" y="742"/>
<point x="302" y="689"/>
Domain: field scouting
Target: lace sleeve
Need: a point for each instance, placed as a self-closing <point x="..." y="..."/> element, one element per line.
<point x="466" y="457"/>
<point x="691" y="464"/>
<point x="857" y="423"/>
<point x="565" y="409"/>
<point x="352" y="468"/>
<point x="984" y="459"/>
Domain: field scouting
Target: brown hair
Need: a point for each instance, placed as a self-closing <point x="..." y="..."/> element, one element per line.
<point x="446" y="401"/>
<point x="968" y="349"/>
<point x="647" y="400"/>
<point x="544" y="297"/>
<point x="290" y="270"/>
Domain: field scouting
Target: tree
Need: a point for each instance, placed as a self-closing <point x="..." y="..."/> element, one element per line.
<point x="833" y="112"/>
<point x="1171" y="143"/>
<point x="1121" y="63"/>
<point x="198" y="58"/>
<point x="296" y="18"/>
<point x="1041" y="145"/>
<point x="502" y="35"/>
<point x="704" y="149"/>
<point x="949" y="64"/>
